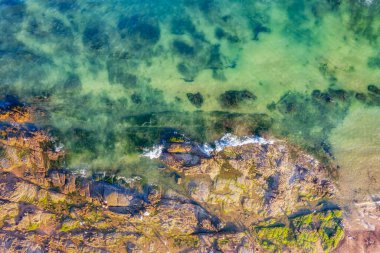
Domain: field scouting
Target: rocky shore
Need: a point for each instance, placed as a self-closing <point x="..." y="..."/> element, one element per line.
<point x="257" y="197"/>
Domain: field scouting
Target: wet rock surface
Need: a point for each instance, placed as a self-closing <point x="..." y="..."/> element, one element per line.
<point x="258" y="197"/>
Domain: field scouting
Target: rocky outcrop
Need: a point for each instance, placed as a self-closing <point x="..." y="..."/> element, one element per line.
<point x="262" y="179"/>
<point x="244" y="198"/>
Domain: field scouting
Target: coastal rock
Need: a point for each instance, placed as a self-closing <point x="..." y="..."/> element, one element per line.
<point x="116" y="198"/>
<point x="264" y="179"/>
<point x="14" y="111"/>
<point x="223" y="200"/>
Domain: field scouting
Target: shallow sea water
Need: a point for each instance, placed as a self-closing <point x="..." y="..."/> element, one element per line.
<point x="113" y="77"/>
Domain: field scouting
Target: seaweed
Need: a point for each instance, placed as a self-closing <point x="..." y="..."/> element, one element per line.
<point x="136" y="27"/>
<point x="374" y="62"/>
<point x="64" y="5"/>
<point x="58" y="28"/>
<point x="373" y="89"/>
<point x="220" y="33"/>
<point x="218" y="74"/>
<point x="94" y="38"/>
<point x="338" y="94"/>
<point x="233" y="98"/>
<point x="13" y="10"/>
<point x="215" y="59"/>
<point x="206" y="6"/>
<point x="296" y="12"/>
<point x="327" y="72"/>
<point x="303" y="114"/>
<point x="118" y="74"/>
<point x="334" y="4"/>
<point x="136" y="98"/>
<point x="142" y="119"/>
<point x="187" y="71"/>
<point x="271" y="107"/>
<point x="258" y="28"/>
<point x="181" y="26"/>
<point x="81" y="139"/>
<point x="72" y="83"/>
<point x="361" y="21"/>
<point x="360" y="96"/>
<point x="195" y="98"/>
<point x="183" y="48"/>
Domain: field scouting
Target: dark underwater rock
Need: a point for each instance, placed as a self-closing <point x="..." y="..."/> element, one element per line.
<point x="117" y="73"/>
<point x="257" y="29"/>
<point x="183" y="48"/>
<point x="136" y="98"/>
<point x="338" y="94"/>
<point x="215" y="58"/>
<point x="334" y="4"/>
<point x="374" y="62"/>
<point x="13" y="10"/>
<point x="330" y="95"/>
<point x="360" y="96"/>
<point x="94" y="38"/>
<point x="195" y="98"/>
<point x="73" y="82"/>
<point x="139" y="28"/>
<point x="58" y="28"/>
<point x="374" y="89"/>
<point x="188" y="72"/>
<point x="181" y="26"/>
<point x="220" y="33"/>
<point x="233" y="98"/>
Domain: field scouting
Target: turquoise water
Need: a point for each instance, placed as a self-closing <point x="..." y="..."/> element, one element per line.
<point x="112" y="77"/>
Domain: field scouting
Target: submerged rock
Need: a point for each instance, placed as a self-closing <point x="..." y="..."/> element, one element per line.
<point x="374" y="89"/>
<point x="139" y="29"/>
<point x="183" y="48"/>
<point x="195" y="98"/>
<point x="233" y="98"/>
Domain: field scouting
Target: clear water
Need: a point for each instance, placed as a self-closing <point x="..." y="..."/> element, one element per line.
<point x="113" y="76"/>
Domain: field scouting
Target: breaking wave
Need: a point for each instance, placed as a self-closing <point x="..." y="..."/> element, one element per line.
<point x="228" y="140"/>
<point x="154" y="152"/>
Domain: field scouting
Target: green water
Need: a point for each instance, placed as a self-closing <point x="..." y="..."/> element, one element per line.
<point x="113" y="76"/>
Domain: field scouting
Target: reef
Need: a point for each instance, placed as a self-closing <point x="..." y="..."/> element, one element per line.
<point x="239" y="195"/>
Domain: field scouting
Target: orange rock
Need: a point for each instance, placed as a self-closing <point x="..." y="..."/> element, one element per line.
<point x="179" y="148"/>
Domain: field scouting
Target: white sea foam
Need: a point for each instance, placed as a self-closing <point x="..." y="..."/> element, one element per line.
<point x="230" y="140"/>
<point x="154" y="152"/>
<point x="206" y="149"/>
<point x="58" y="147"/>
<point x="81" y="171"/>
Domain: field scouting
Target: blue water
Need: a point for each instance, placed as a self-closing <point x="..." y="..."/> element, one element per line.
<point x="113" y="77"/>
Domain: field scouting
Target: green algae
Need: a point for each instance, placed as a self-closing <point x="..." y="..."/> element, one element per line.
<point x="33" y="226"/>
<point x="228" y="172"/>
<point x="195" y="98"/>
<point x="233" y="98"/>
<point x="302" y="231"/>
<point x="189" y="241"/>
